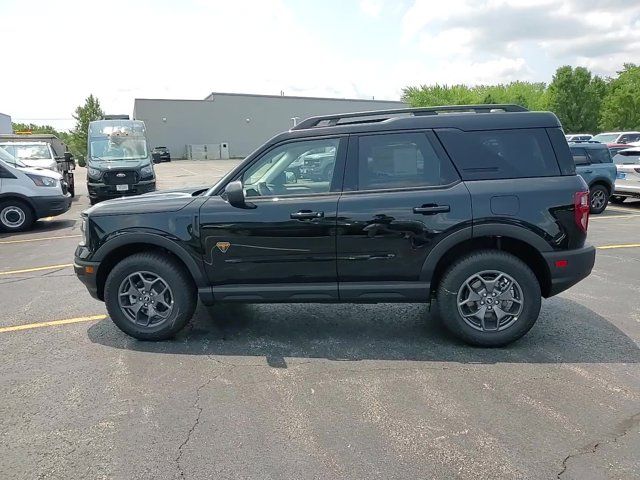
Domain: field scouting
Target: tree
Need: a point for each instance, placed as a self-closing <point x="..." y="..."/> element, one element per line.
<point x="84" y="114"/>
<point x="621" y="105"/>
<point x="576" y="98"/>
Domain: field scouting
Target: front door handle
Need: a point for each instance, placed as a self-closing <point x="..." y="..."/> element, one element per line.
<point x="587" y="171"/>
<point x="305" y="214"/>
<point x="431" y="209"/>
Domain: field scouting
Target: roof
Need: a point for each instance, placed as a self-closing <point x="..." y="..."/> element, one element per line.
<point x="462" y="121"/>
<point x="588" y="145"/>
<point x="23" y="142"/>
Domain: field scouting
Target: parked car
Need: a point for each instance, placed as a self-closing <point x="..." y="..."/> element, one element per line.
<point x="628" y="178"/>
<point x="578" y="137"/>
<point x="32" y="154"/>
<point x="611" y="138"/>
<point x="614" y="148"/>
<point x="27" y="194"/>
<point x="479" y="209"/>
<point x="160" y="154"/>
<point x="594" y="165"/>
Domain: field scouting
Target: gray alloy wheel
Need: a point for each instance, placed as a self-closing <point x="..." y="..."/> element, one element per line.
<point x="598" y="200"/>
<point x="13" y="217"/>
<point x="490" y="301"/>
<point x="145" y="298"/>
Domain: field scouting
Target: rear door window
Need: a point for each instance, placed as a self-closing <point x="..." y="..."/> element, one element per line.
<point x="401" y="160"/>
<point x="498" y="154"/>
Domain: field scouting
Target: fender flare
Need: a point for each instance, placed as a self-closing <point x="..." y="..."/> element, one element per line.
<point x="22" y="198"/>
<point x="197" y="272"/>
<point x="478" y="231"/>
<point x="605" y="181"/>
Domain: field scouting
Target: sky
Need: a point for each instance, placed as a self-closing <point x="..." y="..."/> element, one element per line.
<point x="57" y="53"/>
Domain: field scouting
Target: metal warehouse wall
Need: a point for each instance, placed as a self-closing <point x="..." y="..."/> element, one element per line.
<point x="222" y="117"/>
<point x="5" y="124"/>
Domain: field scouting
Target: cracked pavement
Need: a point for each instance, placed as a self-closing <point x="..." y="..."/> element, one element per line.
<point x="317" y="391"/>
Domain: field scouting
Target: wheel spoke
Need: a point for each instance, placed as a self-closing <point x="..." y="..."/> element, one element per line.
<point x="132" y="291"/>
<point x="500" y="314"/>
<point x="149" y="290"/>
<point x="473" y="297"/>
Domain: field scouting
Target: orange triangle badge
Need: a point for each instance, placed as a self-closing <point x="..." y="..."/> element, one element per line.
<point x="223" y="246"/>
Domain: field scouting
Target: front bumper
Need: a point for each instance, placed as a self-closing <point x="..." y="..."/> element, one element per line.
<point x="87" y="273"/>
<point x="51" y="206"/>
<point x="569" y="267"/>
<point x="101" y="191"/>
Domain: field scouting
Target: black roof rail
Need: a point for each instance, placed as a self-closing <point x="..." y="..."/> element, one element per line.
<point x="332" y="120"/>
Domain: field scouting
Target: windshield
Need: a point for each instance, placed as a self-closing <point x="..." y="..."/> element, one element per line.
<point x="129" y="148"/>
<point x="30" y="152"/>
<point x="10" y="159"/>
<point x="605" y="137"/>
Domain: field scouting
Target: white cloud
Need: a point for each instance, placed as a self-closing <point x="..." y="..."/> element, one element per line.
<point x="372" y="8"/>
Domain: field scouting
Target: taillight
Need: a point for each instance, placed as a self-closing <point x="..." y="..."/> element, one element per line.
<point x="581" y="210"/>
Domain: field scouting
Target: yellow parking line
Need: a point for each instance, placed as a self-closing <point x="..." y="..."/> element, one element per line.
<point x="38" y="239"/>
<point x="37" y="269"/>
<point x="53" y="323"/>
<point x="623" y="245"/>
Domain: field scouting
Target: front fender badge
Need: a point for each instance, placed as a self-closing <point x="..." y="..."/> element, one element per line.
<point x="223" y="246"/>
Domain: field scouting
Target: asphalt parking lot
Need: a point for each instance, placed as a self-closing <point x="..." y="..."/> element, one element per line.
<point x="314" y="391"/>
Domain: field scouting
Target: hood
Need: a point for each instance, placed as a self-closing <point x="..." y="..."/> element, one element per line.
<point x="43" y="172"/>
<point x="43" y="163"/>
<point x="118" y="164"/>
<point x="156" y="202"/>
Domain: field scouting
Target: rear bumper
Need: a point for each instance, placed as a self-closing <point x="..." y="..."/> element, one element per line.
<point x="578" y="266"/>
<point x="87" y="274"/>
<point x="100" y="191"/>
<point x="627" y="190"/>
<point x="51" y="206"/>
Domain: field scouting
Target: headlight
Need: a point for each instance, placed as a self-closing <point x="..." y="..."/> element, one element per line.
<point x="147" y="171"/>
<point x="83" y="230"/>
<point x="43" y="181"/>
<point x="94" y="173"/>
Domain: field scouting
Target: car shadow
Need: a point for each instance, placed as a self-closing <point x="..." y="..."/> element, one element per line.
<point x="566" y="332"/>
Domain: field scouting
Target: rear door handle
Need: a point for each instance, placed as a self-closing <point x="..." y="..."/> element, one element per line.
<point x="431" y="209"/>
<point x="588" y="171"/>
<point x="305" y="214"/>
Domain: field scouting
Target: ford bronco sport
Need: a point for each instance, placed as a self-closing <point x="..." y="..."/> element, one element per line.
<point x="476" y="207"/>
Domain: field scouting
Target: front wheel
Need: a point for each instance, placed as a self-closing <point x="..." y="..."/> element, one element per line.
<point x="150" y="296"/>
<point x="599" y="197"/>
<point x="489" y="298"/>
<point x="15" y="216"/>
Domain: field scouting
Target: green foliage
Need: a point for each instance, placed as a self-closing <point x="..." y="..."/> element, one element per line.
<point x="621" y="106"/>
<point x="84" y="114"/>
<point x="575" y="96"/>
<point x="527" y="94"/>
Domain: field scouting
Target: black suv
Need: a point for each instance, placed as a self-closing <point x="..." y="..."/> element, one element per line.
<point x="476" y="207"/>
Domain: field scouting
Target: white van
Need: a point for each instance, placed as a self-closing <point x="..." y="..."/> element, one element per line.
<point x="27" y="194"/>
<point x="32" y="154"/>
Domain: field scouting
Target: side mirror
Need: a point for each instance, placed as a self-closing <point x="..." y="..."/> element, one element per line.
<point x="235" y="195"/>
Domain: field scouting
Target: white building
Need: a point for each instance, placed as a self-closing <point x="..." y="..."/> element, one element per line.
<point x="243" y="121"/>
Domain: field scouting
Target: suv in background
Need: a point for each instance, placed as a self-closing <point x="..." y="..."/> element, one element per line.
<point x="594" y="164"/>
<point x="622" y="138"/>
<point x="160" y="154"/>
<point x="628" y="178"/>
<point x="578" y="137"/>
<point x="479" y="209"/>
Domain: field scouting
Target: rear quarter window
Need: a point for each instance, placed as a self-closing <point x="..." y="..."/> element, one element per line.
<point x="501" y="154"/>
<point x="599" y="155"/>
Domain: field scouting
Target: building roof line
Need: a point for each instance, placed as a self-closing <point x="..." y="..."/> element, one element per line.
<point x="208" y="98"/>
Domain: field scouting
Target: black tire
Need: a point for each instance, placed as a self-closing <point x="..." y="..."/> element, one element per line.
<point x="618" y="200"/>
<point x="488" y="260"/>
<point x="15" y="216"/>
<point x="177" y="278"/>
<point x="600" y="192"/>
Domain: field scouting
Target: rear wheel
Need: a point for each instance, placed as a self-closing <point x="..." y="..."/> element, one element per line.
<point x="599" y="197"/>
<point x="618" y="200"/>
<point x="15" y="216"/>
<point x="150" y="296"/>
<point x="489" y="298"/>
